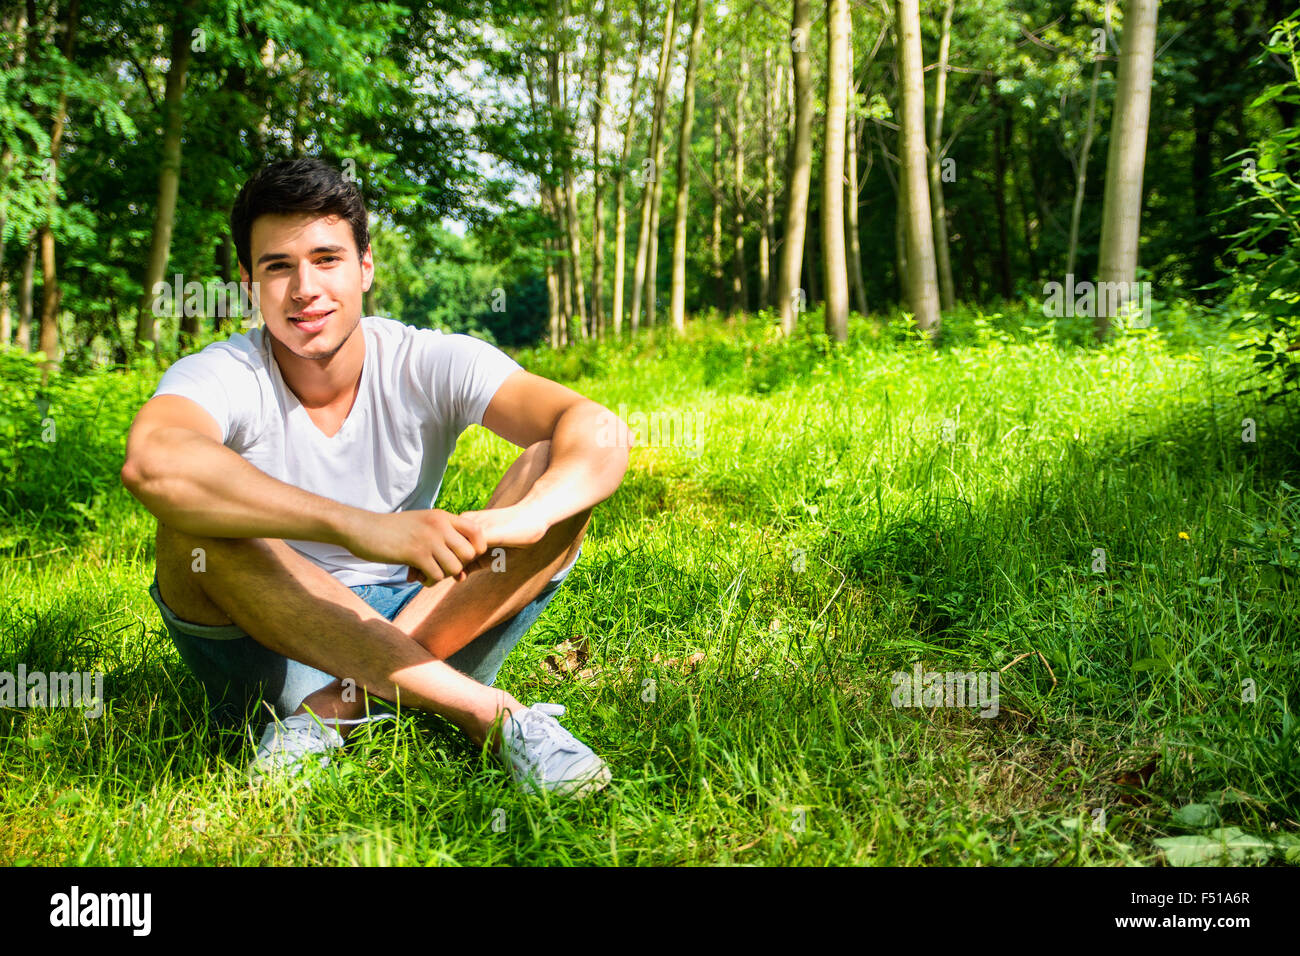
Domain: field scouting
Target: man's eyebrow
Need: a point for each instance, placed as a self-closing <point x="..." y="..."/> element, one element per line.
<point x="273" y="256"/>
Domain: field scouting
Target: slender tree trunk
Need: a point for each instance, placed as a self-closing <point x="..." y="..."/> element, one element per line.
<point x="15" y="24"/>
<point x="1121" y="211"/>
<point x="168" y="184"/>
<point x="598" y="188"/>
<point x="51" y="293"/>
<point x="571" y="225"/>
<point x="792" y="296"/>
<point x="1081" y="170"/>
<point x="768" y="235"/>
<point x="547" y="194"/>
<point x="677" y="309"/>
<point x="812" y="250"/>
<point x="834" y="257"/>
<point x="947" y="294"/>
<point x="23" y="337"/>
<point x="222" y="260"/>
<point x="556" y="189"/>
<point x="6" y="160"/>
<point x="645" y="246"/>
<point x="715" y="245"/>
<point x="6" y="317"/>
<point x="923" y="287"/>
<point x="851" y="225"/>
<point x="739" y="274"/>
<point x="620" y="183"/>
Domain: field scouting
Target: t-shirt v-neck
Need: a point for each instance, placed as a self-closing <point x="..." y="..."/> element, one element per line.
<point x="303" y="419"/>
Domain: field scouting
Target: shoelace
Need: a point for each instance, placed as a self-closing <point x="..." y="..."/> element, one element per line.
<point x="552" y="736"/>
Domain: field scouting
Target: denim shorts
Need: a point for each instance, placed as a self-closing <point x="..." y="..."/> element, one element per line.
<point x="236" y="671"/>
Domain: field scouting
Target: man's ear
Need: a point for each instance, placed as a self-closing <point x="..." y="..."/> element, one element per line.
<point x="248" y="293"/>
<point x="367" y="268"/>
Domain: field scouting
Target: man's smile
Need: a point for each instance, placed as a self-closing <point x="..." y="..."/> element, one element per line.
<point x="311" y="320"/>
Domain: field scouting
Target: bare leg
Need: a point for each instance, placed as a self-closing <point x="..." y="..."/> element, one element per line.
<point x="446" y="616"/>
<point x="318" y="620"/>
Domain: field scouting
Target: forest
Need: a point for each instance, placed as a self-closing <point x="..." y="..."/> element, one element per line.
<point x="960" y="336"/>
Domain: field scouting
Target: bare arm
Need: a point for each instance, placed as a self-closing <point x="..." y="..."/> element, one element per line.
<point x="178" y="468"/>
<point x="589" y="455"/>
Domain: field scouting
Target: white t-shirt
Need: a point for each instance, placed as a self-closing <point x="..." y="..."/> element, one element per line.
<point x="420" y="388"/>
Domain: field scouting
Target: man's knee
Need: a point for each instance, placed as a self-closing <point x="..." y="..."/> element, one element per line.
<point x="183" y="540"/>
<point x="185" y="562"/>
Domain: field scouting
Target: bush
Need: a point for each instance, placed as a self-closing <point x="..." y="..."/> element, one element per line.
<point x="62" y="444"/>
<point x="1268" y="252"/>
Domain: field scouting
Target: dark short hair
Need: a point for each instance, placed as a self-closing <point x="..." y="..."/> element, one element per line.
<point x="290" y="186"/>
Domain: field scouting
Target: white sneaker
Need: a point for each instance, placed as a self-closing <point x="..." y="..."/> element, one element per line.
<point x="287" y="744"/>
<point x="542" y="755"/>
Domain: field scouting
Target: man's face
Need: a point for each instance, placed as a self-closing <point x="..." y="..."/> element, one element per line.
<point x="309" y="281"/>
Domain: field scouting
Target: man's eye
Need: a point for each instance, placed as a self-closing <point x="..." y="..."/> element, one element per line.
<point x="276" y="266"/>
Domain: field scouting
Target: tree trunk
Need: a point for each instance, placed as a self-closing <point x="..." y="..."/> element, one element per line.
<point x="15" y="24"/>
<point x="768" y="235"/>
<point x="23" y="337"/>
<point x="50" y="292"/>
<point x="923" y="288"/>
<point x="851" y="225"/>
<point x="557" y="317"/>
<point x="168" y="183"/>
<point x="620" y="183"/>
<point x="812" y="246"/>
<point x="644" y="252"/>
<point x="6" y="318"/>
<point x="947" y="294"/>
<point x="598" y="188"/>
<point x="715" y="242"/>
<point x="792" y="297"/>
<point x="677" y="309"/>
<point x="834" y="258"/>
<point x="571" y="225"/>
<point x="222" y="260"/>
<point x="1121" y="210"/>
<point x="739" y="274"/>
<point x="1081" y="172"/>
<point x="557" y="201"/>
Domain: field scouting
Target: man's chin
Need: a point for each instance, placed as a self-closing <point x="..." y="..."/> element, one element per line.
<point x="314" y="349"/>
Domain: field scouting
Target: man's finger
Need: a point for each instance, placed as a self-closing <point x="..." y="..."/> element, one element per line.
<point x="462" y="548"/>
<point x="472" y="532"/>
<point x="447" y="560"/>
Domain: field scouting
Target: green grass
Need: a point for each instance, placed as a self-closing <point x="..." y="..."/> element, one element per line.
<point x="825" y="536"/>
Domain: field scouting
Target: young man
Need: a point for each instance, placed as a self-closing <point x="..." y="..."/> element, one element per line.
<point x="293" y="472"/>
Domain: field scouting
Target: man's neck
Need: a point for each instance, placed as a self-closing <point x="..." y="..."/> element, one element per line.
<point x="320" y="383"/>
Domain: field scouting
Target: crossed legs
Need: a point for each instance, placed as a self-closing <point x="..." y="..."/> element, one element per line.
<point x="319" y="621"/>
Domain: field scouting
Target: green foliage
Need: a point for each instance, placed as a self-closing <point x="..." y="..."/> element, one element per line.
<point x="1268" y="251"/>
<point x="62" y="445"/>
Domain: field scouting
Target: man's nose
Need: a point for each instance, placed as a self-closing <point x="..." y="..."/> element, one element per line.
<point x="305" y="284"/>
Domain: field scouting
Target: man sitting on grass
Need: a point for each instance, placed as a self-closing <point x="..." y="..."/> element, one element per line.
<point x="293" y="470"/>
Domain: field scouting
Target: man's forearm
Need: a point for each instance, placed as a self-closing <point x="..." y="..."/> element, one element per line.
<point x="201" y="487"/>
<point x="582" y="472"/>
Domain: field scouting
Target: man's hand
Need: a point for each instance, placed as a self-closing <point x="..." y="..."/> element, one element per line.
<point x="509" y="527"/>
<point x="434" y="543"/>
